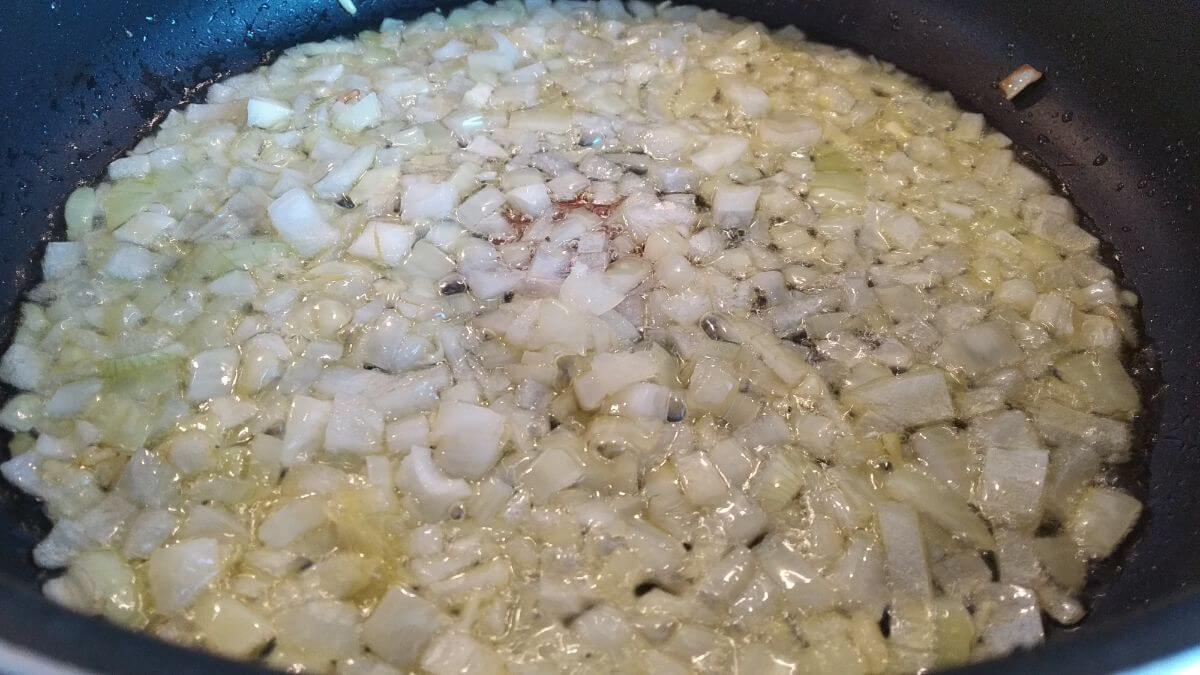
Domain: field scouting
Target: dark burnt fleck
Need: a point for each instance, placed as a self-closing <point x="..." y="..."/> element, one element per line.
<point x="715" y="328"/>
<point x="266" y="650"/>
<point x="676" y="410"/>
<point x="989" y="558"/>
<point x="645" y="587"/>
<point x="452" y="286"/>
<point x="758" y="539"/>
<point x="568" y="620"/>
<point x="801" y="338"/>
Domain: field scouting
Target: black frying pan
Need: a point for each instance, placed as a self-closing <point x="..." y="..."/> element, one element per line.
<point x="1115" y="121"/>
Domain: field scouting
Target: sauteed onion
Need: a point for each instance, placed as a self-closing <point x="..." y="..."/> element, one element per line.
<point x="582" y="337"/>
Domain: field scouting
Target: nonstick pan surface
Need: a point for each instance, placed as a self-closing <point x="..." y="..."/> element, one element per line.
<point x="1114" y="120"/>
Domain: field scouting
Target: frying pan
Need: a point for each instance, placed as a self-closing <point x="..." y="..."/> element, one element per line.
<point x="1114" y="121"/>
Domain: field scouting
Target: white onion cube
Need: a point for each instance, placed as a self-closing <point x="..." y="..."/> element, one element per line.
<point x="213" y="374"/>
<point x="589" y="291"/>
<point x="746" y="98"/>
<point x="62" y="258"/>
<point x="144" y="228"/>
<point x="911" y="399"/>
<point x="604" y="628"/>
<point x="132" y="263"/>
<point x="1055" y="312"/>
<point x="342" y="177"/>
<point x="609" y="373"/>
<point x="23" y="367"/>
<point x="798" y="579"/>
<point x="904" y="549"/>
<point x="72" y="399"/>
<point x="265" y="113"/>
<point x="532" y="200"/>
<point x="135" y="166"/>
<point x="235" y="284"/>
<point x="353" y="117"/>
<point x="402" y="434"/>
<point x="468" y="439"/>
<point x="553" y="470"/>
<point x="733" y="206"/>
<point x="289" y="521"/>
<point x="1102" y="518"/>
<point x="300" y="224"/>
<point x="323" y="630"/>
<point x="305" y="429"/>
<point x="568" y="185"/>
<point x="789" y="133"/>
<point x="385" y="242"/>
<point x="1005" y="430"/>
<point x="702" y="483"/>
<point x="355" y="427"/>
<point x="980" y="349"/>
<point x="425" y="200"/>
<point x="1011" y="486"/>
<point x="400" y="626"/>
<point x="720" y="152"/>
<point x="479" y="206"/>
<point x="453" y="653"/>
<point x="433" y="491"/>
<point x="178" y="573"/>
<point x="233" y="628"/>
<point x="1014" y="621"/>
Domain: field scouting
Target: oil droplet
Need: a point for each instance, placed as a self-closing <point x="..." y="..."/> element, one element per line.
<point x="1068" y="116"/>
<point x="1043" y="139"/>
<point x="1100" y="160"/>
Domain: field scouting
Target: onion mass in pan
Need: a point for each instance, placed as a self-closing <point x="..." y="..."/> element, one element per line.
<point x="581" y="337"/>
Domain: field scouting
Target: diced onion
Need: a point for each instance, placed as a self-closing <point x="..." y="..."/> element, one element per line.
<point x="571" y="336"/>
<point x="1016" y="81"/>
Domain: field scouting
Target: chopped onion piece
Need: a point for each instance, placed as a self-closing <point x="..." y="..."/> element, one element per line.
<point x="468" y="439"/>
<point x="721" y="151"/>
<point x="1102" y="519"/>
<point x="906" y="400"/>
<point x="425" y="200"/>
<point x="400" y="627"/>
<point x="385" y="242"/>
<point x="1016" y="81"/>
<point x="178" y="573"/>
<point x="299" y="222"/>
<point x="1011" y="486"/>
<point x="907" y="560"/>
<point x="266" y="113"/>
